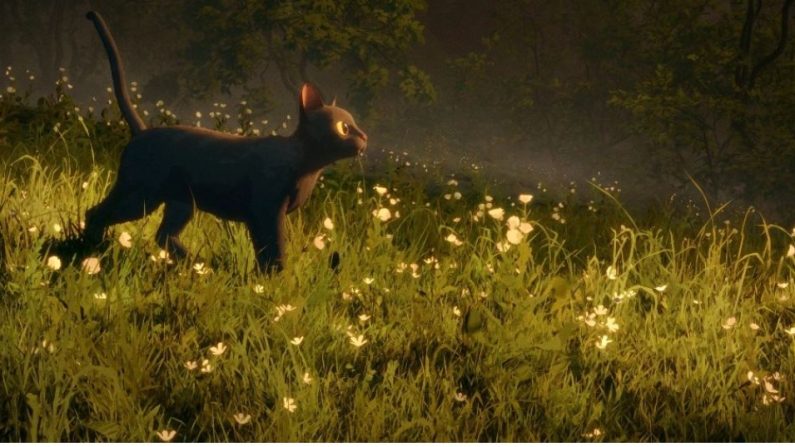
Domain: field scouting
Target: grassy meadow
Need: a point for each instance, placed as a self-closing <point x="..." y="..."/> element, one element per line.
<point x="452" y="315"/>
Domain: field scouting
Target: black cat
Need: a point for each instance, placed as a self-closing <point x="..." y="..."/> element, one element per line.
<point x="247" y="179"/>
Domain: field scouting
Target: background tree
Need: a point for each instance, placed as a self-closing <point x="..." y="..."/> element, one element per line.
<point x="237" y="43"/>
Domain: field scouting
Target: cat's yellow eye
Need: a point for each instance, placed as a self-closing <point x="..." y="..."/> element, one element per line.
<point x="342" y="128"/>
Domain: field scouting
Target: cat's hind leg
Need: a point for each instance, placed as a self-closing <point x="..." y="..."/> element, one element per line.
<point x="175" y="217"/>
<point x="119" y="206"/>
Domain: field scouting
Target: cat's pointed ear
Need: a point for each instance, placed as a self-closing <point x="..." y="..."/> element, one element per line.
<point x="310" y="98"/>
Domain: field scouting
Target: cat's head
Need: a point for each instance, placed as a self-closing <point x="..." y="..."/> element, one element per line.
<point x="330" y="127"/>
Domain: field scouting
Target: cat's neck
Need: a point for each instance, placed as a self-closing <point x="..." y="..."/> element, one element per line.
<point x="313" y="156"/>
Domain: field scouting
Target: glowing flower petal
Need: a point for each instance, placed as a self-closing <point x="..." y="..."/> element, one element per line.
<point x="514" y="236"/>
<point x="200" y="269"/>
<point x="451" y="238"/>
<point x="54" y="263"/>
<point x="328" y="224"/>
<point x="514" y="222"/>
<point x="289" y="404"/>
<point x="525" y="198"/>
<point x="166" y="435"/>
<point x="242" y="419"/>
<point x="125" y="240"/>
<point x="497" y="213"/>
<point x="603" y="342"/>
<point x="383" y="214"/>
<point x="218" y="349"/>
<point x="319" y="243"/>
<point x="358" y="341"/>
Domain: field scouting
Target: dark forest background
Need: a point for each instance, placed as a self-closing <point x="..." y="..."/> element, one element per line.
<point x="647" y="92"/>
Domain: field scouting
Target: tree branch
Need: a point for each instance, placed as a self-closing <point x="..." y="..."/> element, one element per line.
<point x="782" y="43"/>
<point x="751" y="13"/>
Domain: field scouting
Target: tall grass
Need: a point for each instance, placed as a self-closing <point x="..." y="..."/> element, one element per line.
<point x="447" y="321"/>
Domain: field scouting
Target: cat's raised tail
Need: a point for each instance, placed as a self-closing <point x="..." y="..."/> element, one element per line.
<point x="117" y="71"/>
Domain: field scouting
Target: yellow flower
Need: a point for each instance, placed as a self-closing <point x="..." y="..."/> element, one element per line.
<point x="754" y="326"/>
<point x="513" y="222"/>
<point x="242" y="419"/>
<point x="514" y="236"/>
<point x="611" y="273"/>
<point x="358" y="341"/>
<point x="54" y="263"/>
<point x="790" y="331"/>
<point x="328" y="224"/>
<point x="191" y="365"/>
<point x="364" y="317"/>
<point x="380" y="190"/>
<point x="297" y="340"/>
<point x="611" y="324"/>
<point x="125" y="240"/>
<point x="91" y="266"/>
<point x="307" y="378"/>
<point x="368" y="281"/>
<point x="782" y="285"/>
<point x="100" y="296"/>
<point x="460" y="397"/>
<point x="259" y="289"/>
<point x="497" y="213"/>
<point x="451" y="238"/>
<point x="166" y="435"/>
<point x="791" y="251"/>
<point x="200" y="269"/>
<point x="729" y="323"/>
<point x="206" y="366"/>
<point x="383" y="214"/>
<point x="218" y="349"/>
<point x="661" y="288"/>
<point x="525" y="198"/>
<point x="318" y="242"/>
<point x="289" y="404"/>
<point x="603" y="342"/>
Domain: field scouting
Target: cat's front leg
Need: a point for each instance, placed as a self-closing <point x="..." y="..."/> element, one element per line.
<point x="267" y="234"/>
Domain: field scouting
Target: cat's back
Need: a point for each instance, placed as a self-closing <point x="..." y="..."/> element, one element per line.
<point x="192" y="145"/>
